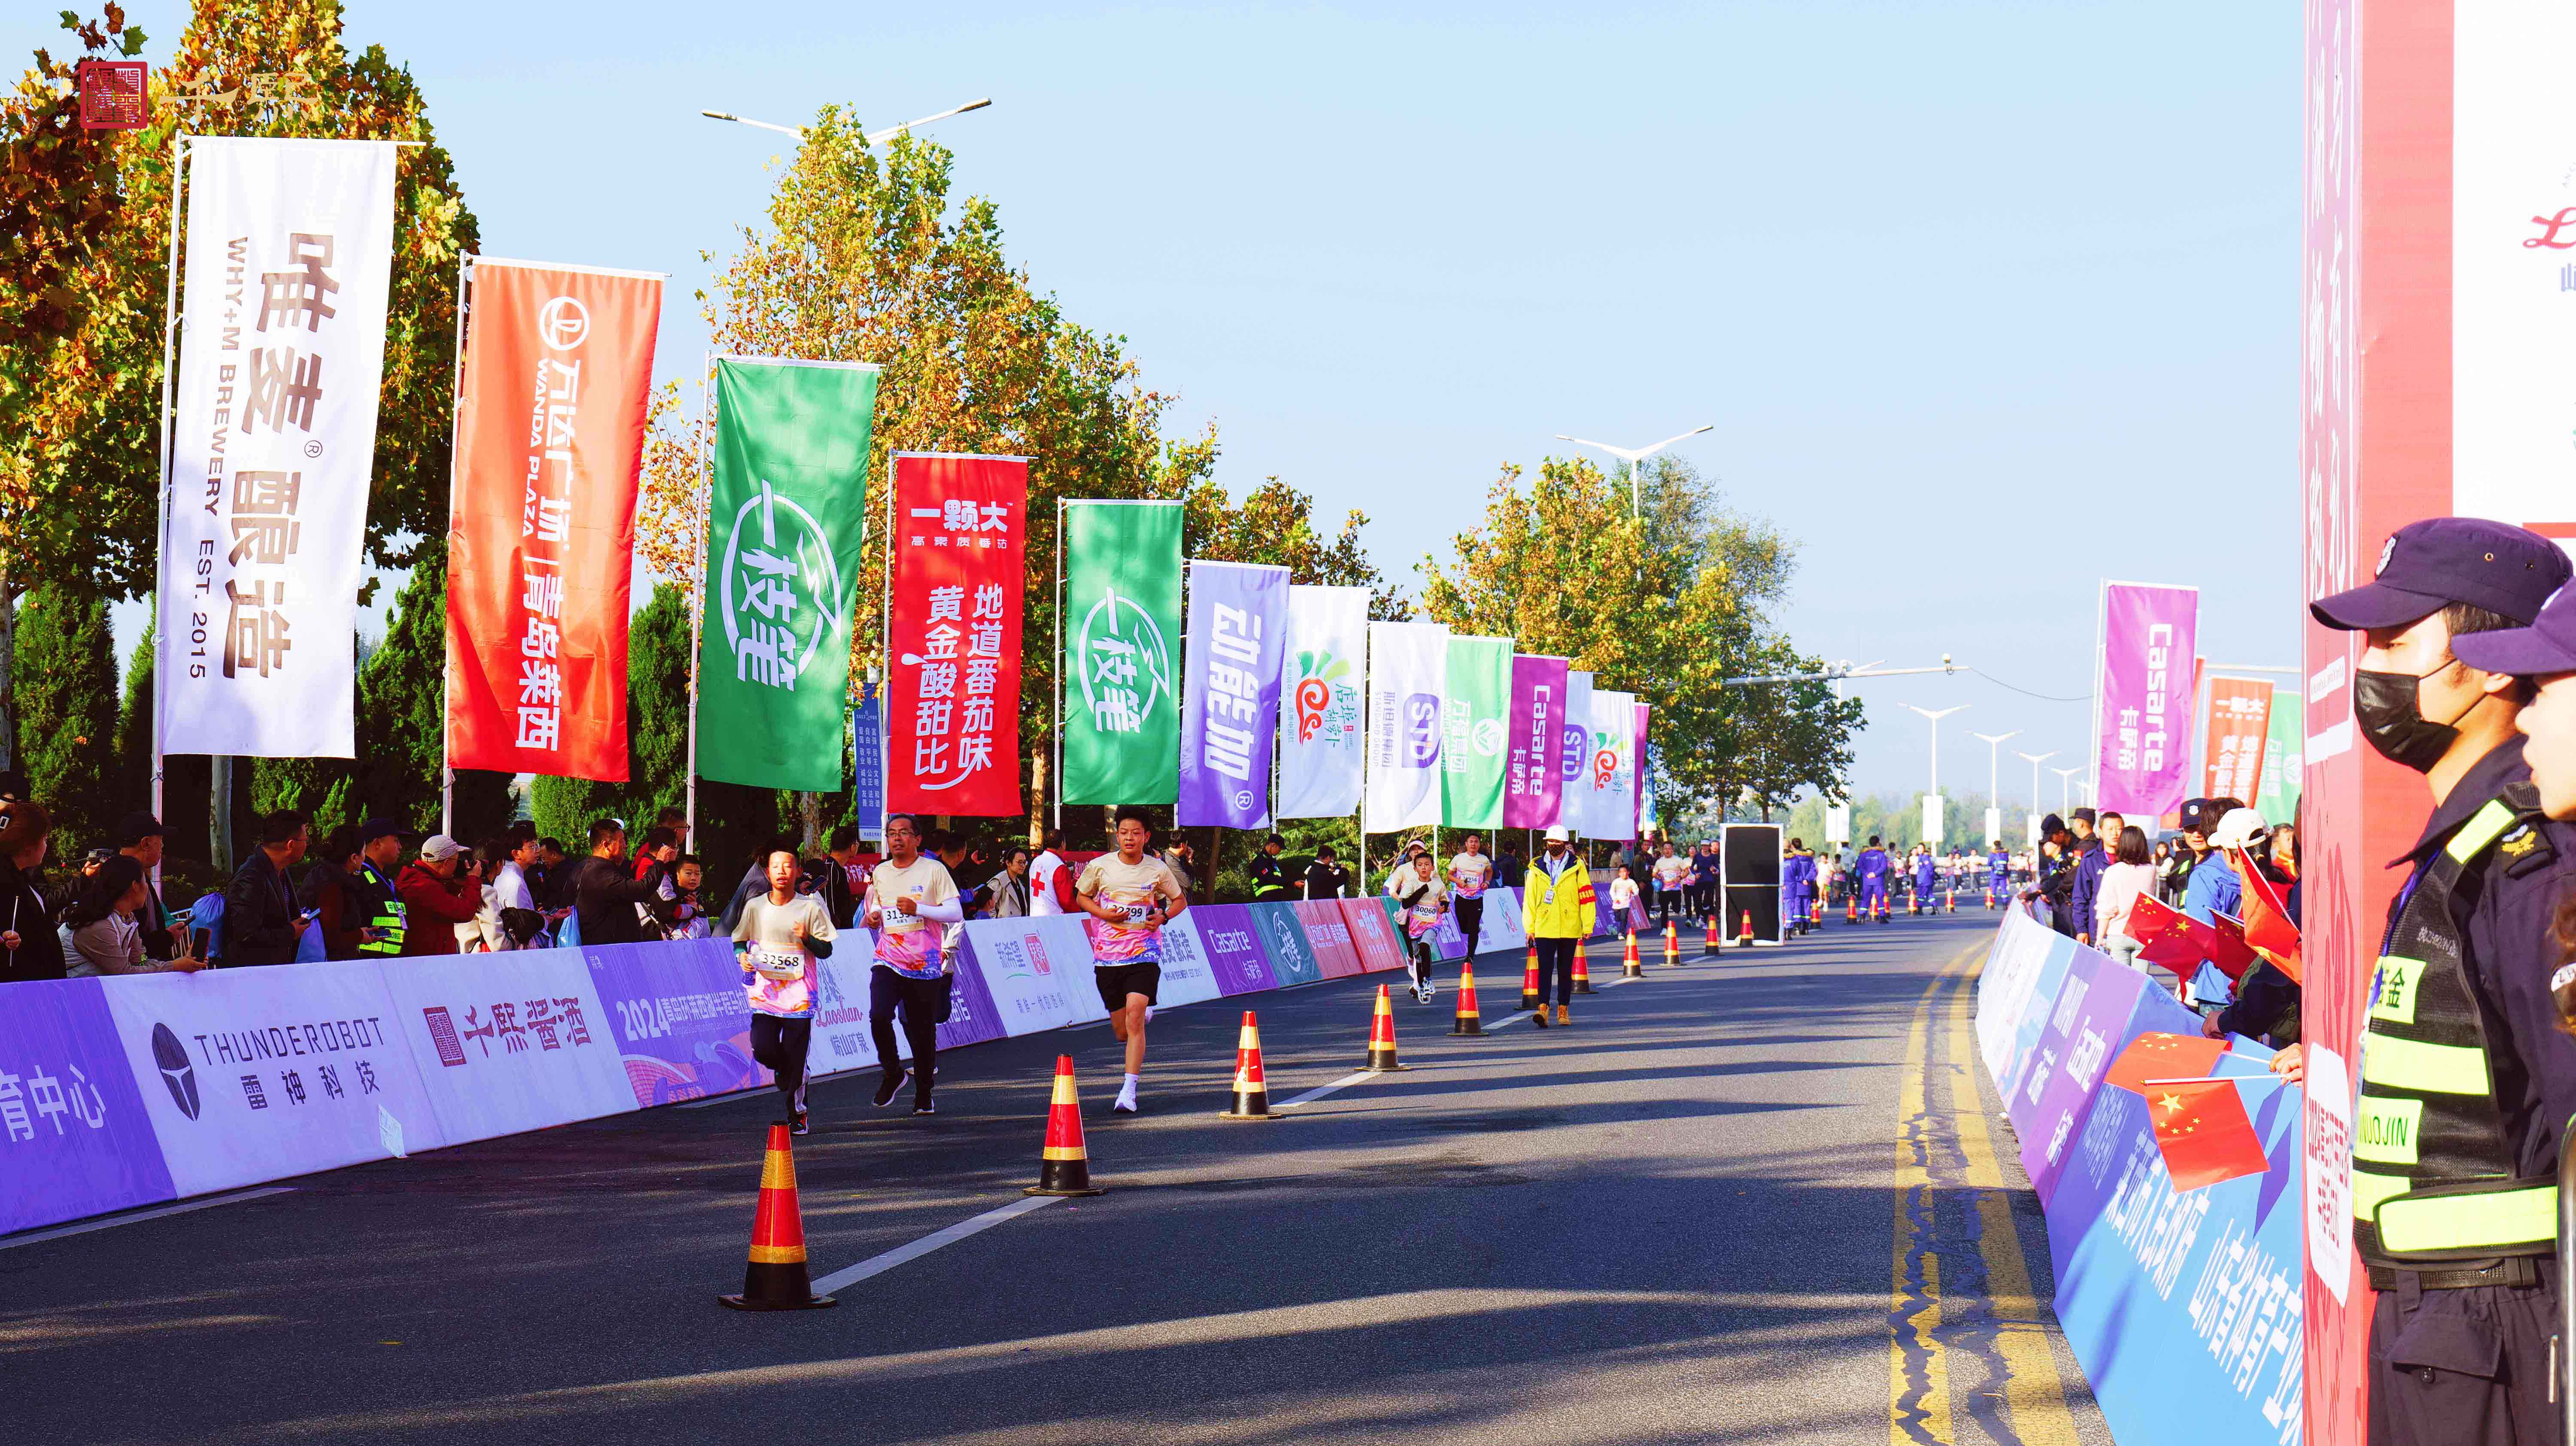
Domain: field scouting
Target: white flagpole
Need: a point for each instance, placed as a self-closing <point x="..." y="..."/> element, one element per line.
<point x="698" y="589"/>
<point x="447" y="677"/>
<point x="160" y="637"/>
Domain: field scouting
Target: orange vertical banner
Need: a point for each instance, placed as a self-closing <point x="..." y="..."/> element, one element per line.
<point x="550" y="410"/>
<point x="2240" y="715"/>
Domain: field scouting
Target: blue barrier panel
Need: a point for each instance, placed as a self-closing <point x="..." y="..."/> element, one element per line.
<point x="74" y="1137"/>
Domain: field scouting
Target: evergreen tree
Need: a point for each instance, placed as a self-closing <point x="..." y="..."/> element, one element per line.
<point x="65" y="682"/>
<point x="402" y="713"/>
<point x="184" y="776"/>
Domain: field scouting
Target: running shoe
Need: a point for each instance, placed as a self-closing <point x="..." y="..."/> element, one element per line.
<point x="1126" y="1099"/>
<point x="796" y="1124"/>
<point x="925" y="1107"/>
<point x="887" y="1085"/>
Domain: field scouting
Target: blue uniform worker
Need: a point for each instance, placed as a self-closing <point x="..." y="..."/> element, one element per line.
<point x="1998" y="875"/>
<point x="1798" y="879"/>
<point x="1927" y="881"/>
<point x="1874" y="869"/>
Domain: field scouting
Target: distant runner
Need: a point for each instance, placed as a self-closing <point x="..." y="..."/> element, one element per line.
<point x="1129" y="898"/>
<point x="1469" y="872"/>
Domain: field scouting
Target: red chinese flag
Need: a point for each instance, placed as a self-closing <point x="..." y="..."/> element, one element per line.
<point x="2223" y="945"/>
<point x="2166" y="932"/>
<point x="2267" y="924"/>
<point x="2163" y="1056"/>
<point x="2204" y="1133"/>
<point x="955" y="582"/>
<point x="541" y="523"/>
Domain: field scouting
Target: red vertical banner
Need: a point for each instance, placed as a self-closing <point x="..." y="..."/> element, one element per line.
<point x="955" y="585"/>
<point x="2375" y="453"/>
<point x="2240" y="715"/>
<point x="541" y="521"/>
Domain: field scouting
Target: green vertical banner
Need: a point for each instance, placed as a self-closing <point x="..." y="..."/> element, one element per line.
<point x="786" y="512"/>
<point x="1478" y="690"/>
<point x="2276" y="794"/>
<point x="1121" y="617"/>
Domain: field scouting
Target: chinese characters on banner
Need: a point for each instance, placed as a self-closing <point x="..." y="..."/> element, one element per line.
<point x="1320" y="733"/>
<point x="1121" y="666"/>
<point x="2144" y="754"/>
<point x="955" y="526"/>
<point x="273" y="441"/>
<point x="1405" y="687"/>
<point x="1643" y="814"/>
<point x="1532" y="782"/>
<point x="1230" y="704"/>
<point x="786" y="513"/>
<point x="2240" y="715"/>
<point x="1574" y="762"/>
<point x="1475" y="685"/>
<point x="541" y="525"/>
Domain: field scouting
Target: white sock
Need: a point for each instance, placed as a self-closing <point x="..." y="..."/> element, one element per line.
<point x="1131" y="1083"/>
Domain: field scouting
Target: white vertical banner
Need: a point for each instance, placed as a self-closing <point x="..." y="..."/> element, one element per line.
<point x="1612" y="809"/>
<point x="1407" y="676"/>
<point x="1320" y="721"/>
<point x="1574" y="796"/>
<point x="273" y="425"/>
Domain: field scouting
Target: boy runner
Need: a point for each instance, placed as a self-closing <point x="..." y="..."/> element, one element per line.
<point x="1129" y="898"/>
<point x="1469" y="872"/>
<point x="776" y="941"/>
<point x="1421" y="897"/>
<point x="1671" y="873"/>
<point x="909" y="897"/>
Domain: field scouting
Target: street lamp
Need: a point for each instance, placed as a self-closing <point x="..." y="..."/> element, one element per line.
<point x="1994" y="786"/>
<point x="1636" y="457"/>
<point x="1936" y="715"/>
<point x="2064" y="774"/>
<point x="2034" y="759"/>
<point x="877" y="139"/>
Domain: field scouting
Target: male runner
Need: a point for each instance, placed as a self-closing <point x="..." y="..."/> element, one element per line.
<point x="776" y="941"/>
<point x="1129" y="898"/>
<point x="1469" y="873"/>
<point x="1671" y="873"/>
<point x="910" y="895"/>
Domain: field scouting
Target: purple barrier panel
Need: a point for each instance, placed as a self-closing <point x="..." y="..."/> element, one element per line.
<point x="973" y="1017"/>
<point x="1234" y="949"/>
<point x="2096" y="1017"/>
<point x="682" y="1023"/>
<point x="75" y="1139"/>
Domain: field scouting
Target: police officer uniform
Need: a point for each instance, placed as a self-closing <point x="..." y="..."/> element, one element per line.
<point x="2466" y="1082"/>
<point x="381" y="904"/>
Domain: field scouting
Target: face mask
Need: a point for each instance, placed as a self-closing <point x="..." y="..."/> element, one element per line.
<point x="2384" y="704"/>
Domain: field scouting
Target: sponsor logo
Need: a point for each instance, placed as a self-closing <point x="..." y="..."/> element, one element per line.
<point x="442" y="1033"/>
<point x="176" y="1071"/>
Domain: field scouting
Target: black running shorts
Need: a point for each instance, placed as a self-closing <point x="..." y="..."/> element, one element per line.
<point x="1117" y="981"/>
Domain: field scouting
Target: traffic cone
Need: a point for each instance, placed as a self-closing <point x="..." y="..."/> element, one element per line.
<point x="1744" y="935"/>
<point x="1529" y="979"/>
<point x="1709" y="945"/>
<point x="1251" y="1089"/>
<point x="1381" y="1044"/>
<point x="1851" y="907"/>
<point x="1672" y="945"/>
<point x="1467" y="1020"/>
<point x="1064" y="1166"/>
<point x="775" y="1278"/>
<point x="1950" y="901"/>
<point x="1582" y="974"/>
<point x="1629" y="968"/>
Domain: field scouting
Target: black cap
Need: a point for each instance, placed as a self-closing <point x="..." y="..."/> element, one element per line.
<point x="135" y="827"/>
<point x="377" y="827"/>
<point x="2083" y="815"/>
<point x="2426" y="566"/>
<point x="2051" y="824"/>
<point x="2200" y="815"/>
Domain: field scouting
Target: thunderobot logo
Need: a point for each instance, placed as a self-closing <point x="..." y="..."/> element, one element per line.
<point x="176" y="1072"/>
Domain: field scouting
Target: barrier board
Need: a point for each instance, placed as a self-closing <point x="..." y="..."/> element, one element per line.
<point x="507" y="1042"/>
<point x="1188" y="976"/>
<point x="1329" y="937"/>
<point x="1283" y="938"/>
<point x="74" y="1137"/>
<point x="1233" y="946"/>
<point x="680" y="1019"/>
<point x="1033" y="970"/>
<point x="1371" y="935"/>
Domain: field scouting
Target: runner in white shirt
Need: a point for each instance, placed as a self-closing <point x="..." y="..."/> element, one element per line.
<point x="1469" y="873"/>
<point x="1423" y="900"/>
<point x="1130" y="898"/>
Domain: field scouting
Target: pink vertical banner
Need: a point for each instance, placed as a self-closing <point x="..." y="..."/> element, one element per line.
<point x="2144" y="762"/>
<point x="1533" y="785"/>
<point x="1645" y="795"/>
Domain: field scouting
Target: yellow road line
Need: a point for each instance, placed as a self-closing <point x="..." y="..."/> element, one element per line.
<point x="1944" y="1151"/>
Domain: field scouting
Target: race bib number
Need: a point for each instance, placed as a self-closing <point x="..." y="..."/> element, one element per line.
<point x="772" y="962"/>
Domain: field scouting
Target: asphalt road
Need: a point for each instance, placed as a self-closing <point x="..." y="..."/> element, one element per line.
<point x="1747" y="1199"/>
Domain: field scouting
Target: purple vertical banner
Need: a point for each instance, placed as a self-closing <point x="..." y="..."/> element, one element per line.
<point x="1645" y="795"/>
<point x="1230" y="693"/>
<point x="1533" y="784"/>
<point x="2144" y="760"/>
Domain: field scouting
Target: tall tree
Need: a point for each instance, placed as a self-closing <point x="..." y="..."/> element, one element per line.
<point x="80" y="381"/>
<point x="65" y="688"/>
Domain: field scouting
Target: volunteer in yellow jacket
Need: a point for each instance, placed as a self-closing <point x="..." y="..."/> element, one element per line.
<point x="1557" y="910"/>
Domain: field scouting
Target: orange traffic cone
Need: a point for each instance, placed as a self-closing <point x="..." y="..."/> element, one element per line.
<point x="1467" y="1020"/>
<point x="1709" y="945"/>
<point x="1064" y="1166"/>
<point x="1381" y="1046"/>
<point x="1251" y="1087"/>
<point x="1582" y="975"/>
<point x="775" y="1278"/>
<point x="1851" y="907"/>
<point x="1672" y="945"/>
<point x="1529" y="979"/>
<point x="1950" y="901"/>
<point x="1744" y="935"/>
<point x="1629" y="968"/>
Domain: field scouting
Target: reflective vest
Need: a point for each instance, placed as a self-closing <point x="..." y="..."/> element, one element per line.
<point x="1558" y="908"/>
<point x="388" y="916"/>
<point x="2432" y="1175"/>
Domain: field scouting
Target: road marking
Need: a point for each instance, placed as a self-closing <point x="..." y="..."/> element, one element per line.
<point x="1981" y="1348"/>
<point x="211" y="1201"/>
<point x="1319" y="1091"/>
<point x="879" y="1264"/>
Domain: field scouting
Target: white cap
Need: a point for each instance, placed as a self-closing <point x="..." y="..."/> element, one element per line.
<point x="1558" y="834"/>
<point x="2238" y="829"/>
<point x="439" y="848"/>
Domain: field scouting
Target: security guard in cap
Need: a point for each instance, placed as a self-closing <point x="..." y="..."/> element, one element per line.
<point x="2465" y="1080"/>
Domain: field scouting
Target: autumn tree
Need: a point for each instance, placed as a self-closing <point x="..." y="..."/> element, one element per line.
<point x="80" y="367"/>
<point x="1665" y="602"/>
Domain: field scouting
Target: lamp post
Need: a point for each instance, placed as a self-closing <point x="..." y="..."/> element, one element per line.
<point x="877" y="139"/>
<point x="1636" y="457"/>
<point x="2034" y="759"/>
<point x="1994" y="787"/>
<point x="2063" y="777"/>
<point x="1935" y="715"/>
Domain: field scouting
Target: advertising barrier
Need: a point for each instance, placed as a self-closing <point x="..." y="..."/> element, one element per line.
<point x="2182" y="1305"/>
<point x="133" y="1091"/>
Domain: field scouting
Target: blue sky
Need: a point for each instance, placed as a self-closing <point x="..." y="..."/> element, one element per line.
<point x="1986" y="301"/>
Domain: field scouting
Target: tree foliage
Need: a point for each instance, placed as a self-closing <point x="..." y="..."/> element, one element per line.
<point x="1665" y="603"/>
<point x="65" y="689"/>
